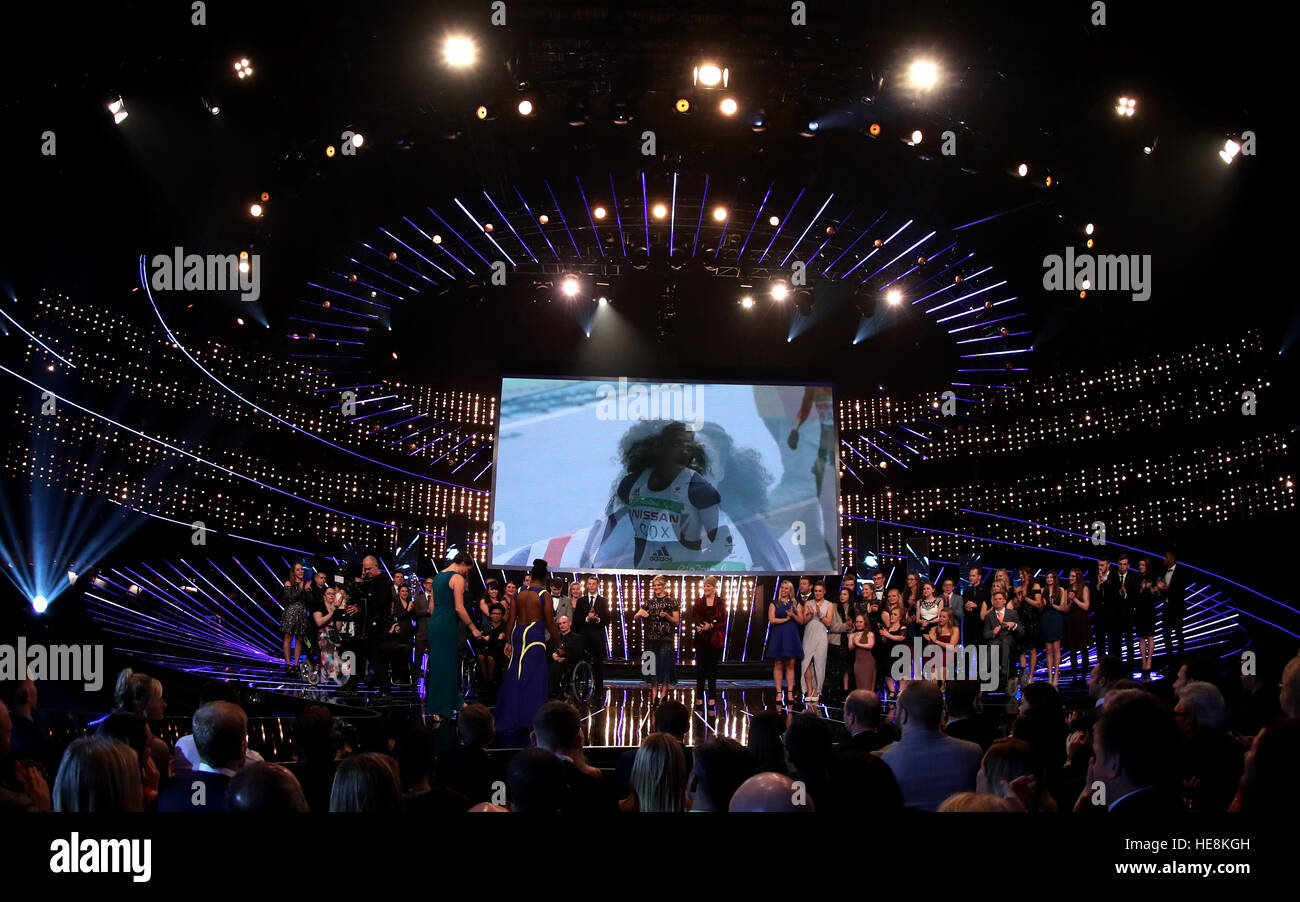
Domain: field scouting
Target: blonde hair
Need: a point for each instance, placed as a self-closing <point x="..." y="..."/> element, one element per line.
<point x="711" y="581"/>
<point x="783" y="584"/>
<point x="973" y="801"/>
<point x="136" y="692"/>
<point x="98" y="774"/>
<point x="659" y="774"/>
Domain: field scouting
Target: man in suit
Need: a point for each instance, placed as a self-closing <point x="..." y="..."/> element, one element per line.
<point x="864" y="719"/>
<point x="1104" y="598"/>
<point x="929" y="765"/>
<point x="221" y="738"/>
<point x="558" y="729"/>
<point x="1135" y="755"/>
<point x="1000" y="633"/>
<point x="1127" y="587"/>
<point x="1173" y="585"/>
<point x="966" y="718"/>
<point x="591" y="616"/>
<point x="953" y="601"/>
<point x="976" y="594"/>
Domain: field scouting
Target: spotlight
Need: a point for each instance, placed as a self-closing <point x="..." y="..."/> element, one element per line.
<point x="394" y="355"/>
<point x="659" y="211"/>
<point x="487" y="226"/>
<point x="925" y="74"/>
<point x="602" y="300"/>
<point x="329" y="151"/>
<point x="1230" y="150"/>
<point x="779" y="291"/>
<point x="747" y="302"/>
<point x="1127" y="106"/>
<point x="72" y="577"/>
<point x="392" y="255"/>
<point x="894" y="297"/>
<point x="728" y="107"/>
<point x="917" y="136"/>
<point x="357" y="139"/>
<point x="1090" y="243"/>
<point x="710" y="75"/>
<point x="599" y="213"/>
<point x="813" y="125"/>
<point x="243" y="265"/>
<point x="239" y="321"/>
<point x="774" y="221"/>
<point x="759" y="122"/>
<point x="118" y="109"/>
<point x="1089" y="229"/>
<point x="39" y="604"/>
<point x="243" y="69"/>
<point x="719" y="213"/>
<point x="570" y="286"/>
<point x="215" y="110"/>
<point x="437" y="239"/>
<point x="255" y="210"/>
<point x="133" y="589"/>
<point x="525" y="108"/>
<point x="683" y="105"/>
<point x="1022" y="170"/>
<point x="544" y="219"/>
<point x="874" y="130"/>
<point x="266" y="195"/>
<point x="481" y="112"/>
<point x="458" y="52"/>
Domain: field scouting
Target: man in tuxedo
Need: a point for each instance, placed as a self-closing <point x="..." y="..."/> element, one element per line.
<point x="1104" y="600"/>
<point x="1135" y="755"/>
<point x="1127" y="587"/>
<point x="976" y="594"/>
<point x="878" y="583"/>
<point x="591" y="615"/>
<point x="1000" y="632"/>
<point x="1173" y="585"/>
<point x="221" y="739"/>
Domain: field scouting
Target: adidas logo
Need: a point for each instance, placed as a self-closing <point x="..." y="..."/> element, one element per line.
<point x="661" y="554"/>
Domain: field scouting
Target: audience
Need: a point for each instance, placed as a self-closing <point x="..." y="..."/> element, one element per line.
<point x="367" y="781"/>
<point x="1268" y="786"/>
<point x="673" y="718"/>
<point x="415" y="764"/>
<point x="966" y="716"/>
<point x="1009" y="760"/>
<point x="468" y="769"/>
<point x="184" y="757"/>
<point x="557" y="727"/>
<point x="27" y="742"/>
<point x="220" y="738"/>
<point x="534" y="782"/>
<point x="929" y="765"/>
<point x="23" y="786"/>
<point x="139" y="693"/>
<point x="314" y="752"/>
<point x="770" y="792"/>
<point x="265" y="788"/>
<point x="658" y="776"/>
<point x="1212" y="760"/>
<point x="98" y="774"/>
<point x="766" y="741"/>
<point x="719" y="768"/>
<point x="1135" y="743"/>
<point x="864" y="718"/>
<point x="974" y="801"/>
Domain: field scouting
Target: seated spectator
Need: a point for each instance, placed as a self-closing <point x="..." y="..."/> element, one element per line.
<point x="808" y="748"/>
<point x="861" y="783"/>
<point x="265" y="788"/>
<point x="770" y="792"/>
<point x="415" y="764"/>
<point x="314" y="751"/>
<point x="1269" y="785"/>
<point x="966" y="716"/>
<point x="535" y="782"/>
<point x="766" y="741"/>
<point x="673" y="718"/>
<point x="1134" y="742"/>
<point x="557" y="727"/>
<point x="139" y="693"/>
<point x="468" y="769"/>
<point x="974" y="801"/>
<point x="1289" y="698"/>
<point x="98" y="774"/>
<point x="1212" y="760"/>
<point x="718" y="769"/>
<point x="1008" y="760"/>
<point x="864" y="718"/>
<point x="1205" y="670"/>
<point x="1042" y="724"/>
<point x="1106" y="671"/>
<point x="658" y="776"/>
<point x="367" y="782"/>
<point x="184" y="757"/>
<point x="132" y="730"/>
<point x="220" y="737"/>
<point x="22" y="785"/>
<point x="27" y="742"/>
<point x="929" y="765"/>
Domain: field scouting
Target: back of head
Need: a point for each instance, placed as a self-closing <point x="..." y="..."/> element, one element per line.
<point x="1007" y="760"/>
<point x="862" y="783"/>
<point x="1290" y="695"/>
<point x="366" y="781"/>
<point x="1123" y="684"/>
<point x="539" y="574"/>
<point x="659" y="774"/>
<point x="475" y="726"/>
<point x="220" y="730"/>
<point x="1269" y="784"/>
<point x="961" y="695"/>
<point x="1043" y="699"/>
<point x="313" y="735"/>
<point x="265" y="787"/>
<point x="922" y="702"/>
<point x="1206" y="701"/>
<point x="1111" y="668"/>
<point x="673" y="718"/>
<point x="719" y="767"/>
<point x="864" y="707"/>
<point x="128" y="729"/>
<point x="415" y="755"/>
<point x="98" y="774"/>
<point x="1138" y="729"/>
<point x="973" y="801"/>
<point x="535" y="781"/>
<point x="808" y="743"/>
<point x="134" y="691"/>
<point x="766" y="732"/>
<point x="557" y="726"/>
<point x="770" y="792"/>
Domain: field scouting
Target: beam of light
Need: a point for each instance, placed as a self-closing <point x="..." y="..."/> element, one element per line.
<point x="849" y="272"/>
<point x="903" y="443"/>
<point x="378" y="413"/>
<point x="781" y="225"/>
<point x="704" y="202"/>
<point x="990" y="322"/>
<point x="510" y="225"/>
<point x="672" y="217"/>
<point x="795" y="246"/>
<point x="941" y="273"/>
<point x="884" y="452"/>
<point x="559" y="211"/>
<point x="964" y="297"/>
<point x="843" y="224"/>
<point x="381" y="274"/>
<point x="645" y="206"/>
<point x="392" y="262"/>
<point x="861" y="235"/>
<point x="417" y="253"/>
<point x="351" y="298"/>
<point x="976" y="222"/>
<point x="908" y="250"/>
<point x="482" y="471"/>
<point x="1000" y="353"/>
<point x="484" y="232"/>
<point x="757" y="217"/>
<point x="613" y="196"/>
<point x="438" y="244"/>
<point x="583" y="194"/>
<point x="37" y="340"/>
<point x="979" y="308"/>
<point x="540" y="228"/>
<point x="461" y="237"/>
<point x="184" y="350"/>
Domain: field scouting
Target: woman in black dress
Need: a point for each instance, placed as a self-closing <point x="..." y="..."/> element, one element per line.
<point x="892" y="633"/>
<point x="1077" y="631"/>
<point x="840" y="656"/>
<point x="1144" y="615"/>
<point x="1028" y="606"/>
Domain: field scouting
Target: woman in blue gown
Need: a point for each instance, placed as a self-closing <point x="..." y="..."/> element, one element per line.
<point x="525" y="686"/>
<point x="783" y="643"/>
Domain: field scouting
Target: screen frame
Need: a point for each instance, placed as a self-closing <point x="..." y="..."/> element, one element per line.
<point x="496" y="447"/>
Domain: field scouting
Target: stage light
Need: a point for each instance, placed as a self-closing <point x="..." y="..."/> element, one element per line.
<point x="747" y="302"/>
<point x="774" y="221"/>
<point x="570" y="287"/>
<point x="894" y="297"/>
<point x="255" y="210"/>
<point x="394" y="355"/>
<point x="1230" y="150"/>
<point x="621" y="114"/>
<point x="118" y="109"/>
<point x="1022" y="170"/>
<point x="543" y="219"/>
<point x="874" y="129"/>
<point x="813" y="125"/>
<point x="708" y="75"/>
<point x="329" y="151"/>
<point x="525" y="108"/>
<point x="659" y="211"/>
<point x="917" y="136"/>
<point x="243" y="69"/>
<point x="243" y="266"/>
<point x="358" y="139"/>
<point x="1089" y="242"/>
<point x="392" y="255"/>
<point x="437" y="239"/>
<point x="779" y="291"/>
<point x="1089" y="229"/>
<point x="925" y="74"/>
<point x="459" y="52"/>
<point x="239" y="320"/>
<point x="719" y="214"/>
<point x="759" y="121"/>
<point x="215" y="110"/>
<point x="683" y="105"/>
<point x="1048" y="182"/>
<point x="481" y="112"/>
<point x="728" y="107"/>
<point x="39" y="604"/>
<point x="1127" y="106"/>
<point x="133" y="589"/>
<point x="602" y="300"/>
<point x="266" y="195"/>
<point x="72" y="577"/>
<point x="1085" y="284"/>
<point x="598" y="213"/>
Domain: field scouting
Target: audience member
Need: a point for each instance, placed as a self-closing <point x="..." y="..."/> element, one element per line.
<point x="1134" y="742"/>
<point x="929" y="765"/>
<point x="220" y="738"/>
<point x="658" y="776"/>
<point x="864" y="718"/>
<point x="770" y="792"/>
<point x="966" y="716"/>
<point x="557" y="727"/>
<point x="22" y="785"/>
<point x="260" y="788"/>
<point x="719" y="768"/>
<point x="468" y="768"/>
<point x="1008" y="760"/>
<point x="1212" y="760"/>
<point x="415" y="766"/>
<point x="98" y="774"/>
<point x="766" y="732"/>
<point x="314" y="752"/>
<point x="367" y="781"/>
<point x="184" y="757"/>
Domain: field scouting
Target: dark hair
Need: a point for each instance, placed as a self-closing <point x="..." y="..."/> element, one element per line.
<point x="642" y="446"/>
<point x="220" y="729"/>
<point x="313" y="735"/>
<point x="1268" y="785"/>
<point x="865" y="706"/>
<point x="415" y="755"/>
<point x="961" y="696"/>
<point x="1111" y="668"/>
<point x="474" y="726"/>
<point x="1139" y="729"/>
<point x="745" y="480"/>
<point x="540" y="570"/>
<point x="672" y="718"/>
<point x="808" y="743"/>
<point x="765" y="731"/>
<point x="535" y="781"/>
<point x="861" y="781"/>
<point x="557" y="725"/>
<point x="1042" y="697"/>
<point x="923" y="703"/>
<point x="496" y="606"/>
<point x="460" y="558"/>
<point x="720" y="766"/>
<point x="261" y="787"/>
<point x="128" y="729"/>
<point x="366" y="782"/>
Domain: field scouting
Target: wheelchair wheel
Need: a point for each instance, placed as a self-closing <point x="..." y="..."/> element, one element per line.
<point x="310" y="673"/>
<point x="583" y="681"/>
<point x="468" y="670"/>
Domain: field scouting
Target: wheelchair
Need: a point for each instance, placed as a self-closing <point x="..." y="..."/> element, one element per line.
<point x="577" y="681"/>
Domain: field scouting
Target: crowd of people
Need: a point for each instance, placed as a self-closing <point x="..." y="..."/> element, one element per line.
<point x="1207" y="741"/>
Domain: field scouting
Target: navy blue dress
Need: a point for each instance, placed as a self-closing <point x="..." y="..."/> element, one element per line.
<point x="783" y="638"/>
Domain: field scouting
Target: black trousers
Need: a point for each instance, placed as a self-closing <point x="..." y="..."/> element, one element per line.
<point x="421" y="643"/>
<point x="706" y="670"/>
<point x="383" y="652"/>
<point x="595" y="642"/>
<point x="1172" y="628"/>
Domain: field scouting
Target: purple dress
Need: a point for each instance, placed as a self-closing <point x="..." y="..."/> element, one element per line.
<point x="524" y="686"/>
<point x="783" y="638"/>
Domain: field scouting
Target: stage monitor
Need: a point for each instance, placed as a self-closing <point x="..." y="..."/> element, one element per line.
<point x="636" y="476"/>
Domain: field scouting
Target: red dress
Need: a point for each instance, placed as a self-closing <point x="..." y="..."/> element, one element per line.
<point x="1077" y="634"/>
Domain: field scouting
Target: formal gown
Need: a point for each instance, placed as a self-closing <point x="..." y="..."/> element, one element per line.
<point x="524" y="686"/>
<point x="783" y="638"/>
<point x="442" y="684"/>
<point x="814" y="650"/>
<point x="1077" y="633"/>
<point x="864" y="666"/>
<point x="1051" y="625"/>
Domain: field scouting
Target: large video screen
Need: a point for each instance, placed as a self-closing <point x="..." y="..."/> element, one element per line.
<point x="636" y="476"/>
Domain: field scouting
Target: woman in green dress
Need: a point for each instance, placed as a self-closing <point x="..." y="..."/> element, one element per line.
<point x="442" y="696"/>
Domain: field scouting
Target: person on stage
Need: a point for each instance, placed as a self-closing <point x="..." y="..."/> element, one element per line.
<point x="709" y="615"/>
<point x="783" y="645"/>
<point x="862" y="646"/>
<point x="591" y="618"/>
<point x="661" y="613"/>
<point x="524" y="687"/>
<point x="974" y="600"/>
<point x="420" y="606"/>
<point x="1028" y="605"/>
<point x="1077" y="632"/>
<point x="839" y="659"/>
<point x="294" y="621"/>
<point x="442" y="696"/>
<point x="817" y="616"/>
<point x="1051" y="626"/>
<point x="1144" y="615"/>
